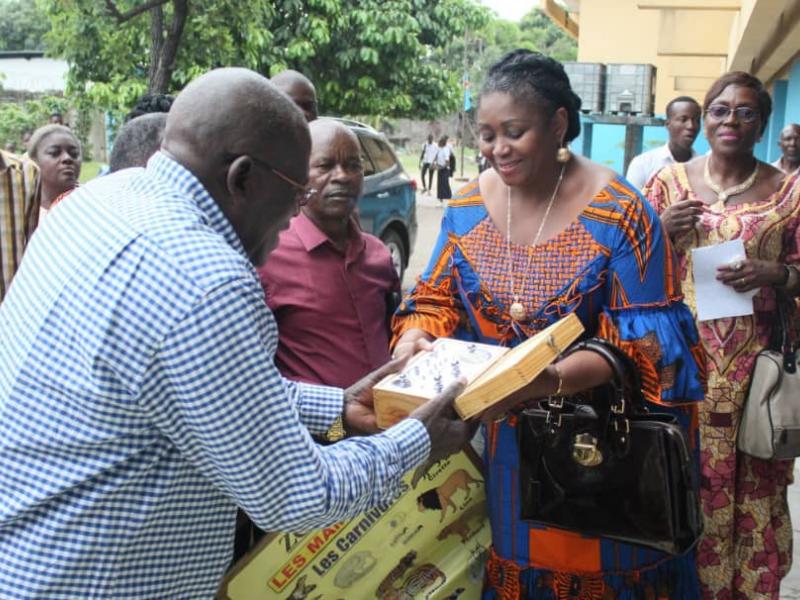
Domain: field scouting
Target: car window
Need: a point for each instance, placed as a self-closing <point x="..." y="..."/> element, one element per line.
<point x="369" y="168"/>
<point x="382" y="156"/>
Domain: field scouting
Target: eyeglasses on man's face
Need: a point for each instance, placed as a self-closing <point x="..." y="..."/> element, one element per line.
<point x="720" y="112"/>
<point x="303" y="194"/>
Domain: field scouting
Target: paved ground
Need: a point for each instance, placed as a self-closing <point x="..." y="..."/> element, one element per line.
<point x="790" y="590"/>
<point x="429" y="216"/>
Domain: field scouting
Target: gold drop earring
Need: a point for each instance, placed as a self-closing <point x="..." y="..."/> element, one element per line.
<point x="563" y="155"/>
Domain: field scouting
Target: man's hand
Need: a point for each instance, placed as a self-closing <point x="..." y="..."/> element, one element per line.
<point x="359" y="406"/>
<point x="447" y="431"/>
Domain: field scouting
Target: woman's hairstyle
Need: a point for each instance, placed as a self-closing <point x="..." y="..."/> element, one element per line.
<point x="531" y="76"/>
<point x="150" y="103"/>
<point x="742" y="79"/>
<point x="40" y="135"/>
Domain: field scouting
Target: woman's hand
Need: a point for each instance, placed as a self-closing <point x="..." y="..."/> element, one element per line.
<point x="411" y="342"/>
<point x="681" y="216"/>
<point x="581" y="370"/>
<point x="751" y="274"/>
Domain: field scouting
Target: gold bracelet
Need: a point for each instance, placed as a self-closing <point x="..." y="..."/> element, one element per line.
<point x="791" y="281"/>
<point x="560" y="380"/>
<point x="336" y="431"/>
<point x="791" y="278"/>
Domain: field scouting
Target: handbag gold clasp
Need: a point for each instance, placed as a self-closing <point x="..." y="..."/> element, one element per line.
<point x="585" y="451"/>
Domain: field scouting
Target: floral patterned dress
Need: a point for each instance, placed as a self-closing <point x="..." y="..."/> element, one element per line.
<point x="747" y="546"/>
<point x="614" y="269"/>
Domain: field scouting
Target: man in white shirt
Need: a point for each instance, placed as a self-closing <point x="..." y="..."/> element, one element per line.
<point x="429" y="150"/>
<point x="683" y="125"/>
<point x="789" y="143"/>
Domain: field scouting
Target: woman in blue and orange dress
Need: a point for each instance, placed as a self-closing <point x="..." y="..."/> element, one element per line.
<point x="542" y="234"/>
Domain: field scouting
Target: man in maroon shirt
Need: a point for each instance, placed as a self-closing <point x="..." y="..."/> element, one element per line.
<point x="328" y="282"/>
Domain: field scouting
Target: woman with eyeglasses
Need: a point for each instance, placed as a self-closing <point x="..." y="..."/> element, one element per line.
<point x="725" y="195"/>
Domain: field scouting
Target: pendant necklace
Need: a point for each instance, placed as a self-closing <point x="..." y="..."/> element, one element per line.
<point x="517" y="308"/>
<point x="724" y="194"/>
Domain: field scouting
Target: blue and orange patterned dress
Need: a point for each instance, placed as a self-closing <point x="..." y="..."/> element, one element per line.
<point x="614" y="268"/>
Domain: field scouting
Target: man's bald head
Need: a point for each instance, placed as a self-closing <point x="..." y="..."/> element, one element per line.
<point x="336" y="172"/>
<point x="235" y="110"/>
<point x="234" y="131"/>
<point x="300" y="89"/>
<point x="789" y="144"/>
<point x="137" y="141"/>
<point x="790" y="129"/>
<point x="325" y="129"/>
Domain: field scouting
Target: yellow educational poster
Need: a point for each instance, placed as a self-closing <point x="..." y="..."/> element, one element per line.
<point x="432" y="542"/>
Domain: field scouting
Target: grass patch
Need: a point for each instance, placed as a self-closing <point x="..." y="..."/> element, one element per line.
<point x="89" y="170"/>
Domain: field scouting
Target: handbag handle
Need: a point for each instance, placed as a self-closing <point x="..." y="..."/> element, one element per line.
<point x="625" y="400"/>
<point x="786" y="345"/>
<point x="625" y="379"/>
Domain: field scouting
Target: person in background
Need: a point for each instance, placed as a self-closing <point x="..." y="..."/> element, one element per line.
<point x="328" y="272"/>
<point x="141" y="142"/>
<point x="543" y="234"/>
<point x="26" y="139"/>
<point x="141" y="403"/>
<point x="789" y="143"/>
<point x="150" y="103"/>
<point x="443" y="154"/>
<point x="137" y="141"/>
<point x="56" y="118"/>
<point x="683" y="125"/>
<point x="57" y="152"/>
<point x="426" y="160"/>
<point x="728" y="194"/>
<point x="300" y="89"/>
<point x="19" y="212"/>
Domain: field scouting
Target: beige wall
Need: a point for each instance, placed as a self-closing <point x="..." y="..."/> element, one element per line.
<point x="687" y="47"/>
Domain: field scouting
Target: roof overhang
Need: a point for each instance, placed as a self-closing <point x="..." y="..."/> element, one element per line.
<point x="563" y="14"/>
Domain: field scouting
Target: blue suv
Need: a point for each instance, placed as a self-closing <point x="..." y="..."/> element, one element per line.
<point x="388" y="206"/>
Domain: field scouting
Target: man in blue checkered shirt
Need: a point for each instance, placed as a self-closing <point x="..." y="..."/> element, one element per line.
<point x="140" y="403"/>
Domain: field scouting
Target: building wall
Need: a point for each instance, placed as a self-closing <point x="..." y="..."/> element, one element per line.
<point x="608" y="143"/>
<point x="792" y="111"/>
<point x="689" y="49"/>
<point x="785" y="110"/>
<point x="618" y="31"/>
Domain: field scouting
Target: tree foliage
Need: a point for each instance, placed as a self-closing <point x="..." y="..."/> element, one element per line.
<point x="22" y="27"/>
<point x="18" y="117"/>
<point x="486" y="45"/>
<point x="365" y="56"/>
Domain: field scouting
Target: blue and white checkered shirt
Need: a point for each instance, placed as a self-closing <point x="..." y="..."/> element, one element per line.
<point x="140" y="403"/>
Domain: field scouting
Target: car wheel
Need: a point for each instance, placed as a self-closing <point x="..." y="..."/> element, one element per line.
<point x="397" y="251"/>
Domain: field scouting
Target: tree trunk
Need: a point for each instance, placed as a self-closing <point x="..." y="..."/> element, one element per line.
<point x="164" y="45"/>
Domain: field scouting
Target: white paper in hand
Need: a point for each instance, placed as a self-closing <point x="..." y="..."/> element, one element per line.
<point x="714" y="299"/>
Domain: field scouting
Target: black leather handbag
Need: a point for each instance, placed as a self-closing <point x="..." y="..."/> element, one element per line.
<point x="601" y="465"/>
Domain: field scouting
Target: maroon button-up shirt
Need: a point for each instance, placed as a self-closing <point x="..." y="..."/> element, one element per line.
<point x="331" y="307"/>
